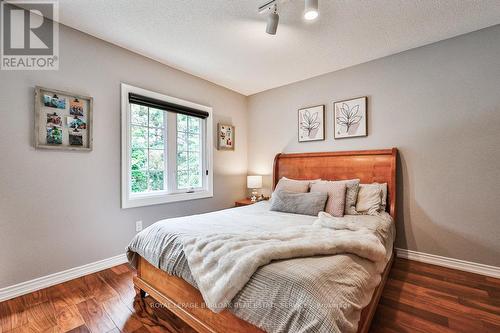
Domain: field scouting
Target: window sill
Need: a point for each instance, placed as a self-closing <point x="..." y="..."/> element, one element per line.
<point x="162" y="198"/>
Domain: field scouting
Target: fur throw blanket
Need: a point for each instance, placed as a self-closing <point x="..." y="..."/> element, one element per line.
<point x="222" y="264"/>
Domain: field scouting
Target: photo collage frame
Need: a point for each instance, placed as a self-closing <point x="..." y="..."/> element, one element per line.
<point x="62" y="120"/>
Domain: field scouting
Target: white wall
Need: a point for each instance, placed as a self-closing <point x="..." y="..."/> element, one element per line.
<point x="440" y="106"/>
<point x="60" y="210"/>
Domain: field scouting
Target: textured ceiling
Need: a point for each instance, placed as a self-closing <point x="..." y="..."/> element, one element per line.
<point x="224" y="41"/>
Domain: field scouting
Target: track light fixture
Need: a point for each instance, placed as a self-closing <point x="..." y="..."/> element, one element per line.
<point x="273" y="19"/>
<point x="311" y="12"/>
<point x="311" y="9"/>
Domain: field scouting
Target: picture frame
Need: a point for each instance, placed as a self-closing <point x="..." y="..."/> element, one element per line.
<point x="63" y="120"/>
<point x="225" y="137"/>
<point x="350" y="118"/>
<point x="311" y="123"/>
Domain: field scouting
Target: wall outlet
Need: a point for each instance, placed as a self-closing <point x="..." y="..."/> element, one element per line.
<point x="138" y="226"/>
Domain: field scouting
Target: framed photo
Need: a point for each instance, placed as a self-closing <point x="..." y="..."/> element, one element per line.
<point x="350" y="118"/>
<point x="63" y="120"/>
<point x="225" y="137"/>
<point x="311" y="123"/>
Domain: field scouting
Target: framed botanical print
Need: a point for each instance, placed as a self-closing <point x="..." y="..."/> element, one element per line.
<point x="225" y="137"/>
<point x="63" y="120"/>
<point x="350" y="118"/>
<point x="311" y="123"/>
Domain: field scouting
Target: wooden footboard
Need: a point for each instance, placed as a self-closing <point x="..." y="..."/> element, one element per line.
<point x="186" y="302"/>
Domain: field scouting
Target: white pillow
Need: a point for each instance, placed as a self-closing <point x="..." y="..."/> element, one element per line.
<point x="292" y="185"/>
<point x="369" y="199"/>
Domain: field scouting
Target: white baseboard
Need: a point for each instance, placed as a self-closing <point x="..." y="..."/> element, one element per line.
<point x="462" y="265"/>
<point x="56" y="278"/>
<point x="73" y="273"/>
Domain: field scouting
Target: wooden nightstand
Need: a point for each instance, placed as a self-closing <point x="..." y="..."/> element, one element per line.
<point x="244" y="202"/>
<point x="247" y="201"/>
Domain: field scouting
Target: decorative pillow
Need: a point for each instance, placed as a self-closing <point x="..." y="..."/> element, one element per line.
<point x="369" y="199"/>
<point x="292" y="185"/>
<point x="383" y="204"/>
<point x="351" y="194"/>
<point x="336" y="196"/>
<point x="299" y="203"/>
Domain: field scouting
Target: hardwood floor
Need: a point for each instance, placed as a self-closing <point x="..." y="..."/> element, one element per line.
<point x="417" y="298"/>
<point x="425" y="298"/>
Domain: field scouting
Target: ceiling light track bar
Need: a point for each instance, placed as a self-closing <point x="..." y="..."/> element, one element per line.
<point x="267" y="6"/>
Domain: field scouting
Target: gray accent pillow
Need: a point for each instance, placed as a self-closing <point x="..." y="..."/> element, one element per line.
<point x="299" y="203"/>
<point x="351" y="196"/>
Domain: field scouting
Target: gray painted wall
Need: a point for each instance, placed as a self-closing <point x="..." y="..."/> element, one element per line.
<point x="440" y="105"/>
<point x="43" y="229"/>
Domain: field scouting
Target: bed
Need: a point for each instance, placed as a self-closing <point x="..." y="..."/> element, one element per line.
<point x="181" y="297"/>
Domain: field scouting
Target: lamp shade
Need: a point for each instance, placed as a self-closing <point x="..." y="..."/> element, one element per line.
<point x="254" y="181"/>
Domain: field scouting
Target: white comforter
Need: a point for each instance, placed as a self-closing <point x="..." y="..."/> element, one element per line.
<point x="222" y="263"/>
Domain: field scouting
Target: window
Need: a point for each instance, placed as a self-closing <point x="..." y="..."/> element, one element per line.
<point x="166" y="149"/>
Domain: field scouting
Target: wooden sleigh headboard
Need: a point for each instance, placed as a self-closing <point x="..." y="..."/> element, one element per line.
<point x="369" y="166"/>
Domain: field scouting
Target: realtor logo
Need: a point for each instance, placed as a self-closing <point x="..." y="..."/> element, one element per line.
<point x="30" y="35"/>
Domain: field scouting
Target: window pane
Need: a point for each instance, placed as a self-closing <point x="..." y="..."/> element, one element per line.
<point x="139" y="181"/>
<point x="182" y="144"/>
<point x="139" y="114"/>
<point x="189" y="156"/>
<point x="139" y="159"/>
<point x="195" y="173"/>
<point x="156" y="180"/>
<point x="194" y="124"/>
<point x="156" y="138"/>
<point x="182" y="161"/>
<point x="193" y="158"/>
<point x="139" y="137"/>
<point x="182" y="123"/>
<point x="182" y="180"/>
<point x="194" y="142"/>
<point x="195" y="180"/>
<point x="155" y="118"/>
<point x="194" y="169"/>
<point x="156" y="160"/>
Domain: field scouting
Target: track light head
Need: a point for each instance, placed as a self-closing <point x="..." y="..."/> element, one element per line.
<point x="273" y="19"/>
<point x="311" y="11"/>
<point x="271" y="8"/>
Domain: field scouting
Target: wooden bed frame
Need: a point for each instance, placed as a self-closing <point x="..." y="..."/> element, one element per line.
<point x="186" y="301"/>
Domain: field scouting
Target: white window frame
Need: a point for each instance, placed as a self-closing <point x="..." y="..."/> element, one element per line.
<point x="170" y="194"/>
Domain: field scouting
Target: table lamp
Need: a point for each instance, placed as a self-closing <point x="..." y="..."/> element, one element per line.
<point x="254" y="183"/>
